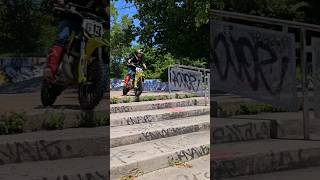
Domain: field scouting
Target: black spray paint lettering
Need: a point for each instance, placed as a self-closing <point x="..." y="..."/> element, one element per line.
<point x="192" y="153"/>
<point x="273" y="161"/>
<point x="243" y="132"/>
<point x="121" y="109"/>
<point x="169" y="132"/>
<point x="86" y="176"/>
<point x="139" y="119"/>
<point x="251" y="71"/>
<point x="197" y="176"/>
<point x="185" y="80"/>
<point x="37" y="151"/>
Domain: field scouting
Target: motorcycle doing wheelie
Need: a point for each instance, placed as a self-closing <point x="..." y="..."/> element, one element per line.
<point x="83" y="64"/>
<point x="136" y="82"/>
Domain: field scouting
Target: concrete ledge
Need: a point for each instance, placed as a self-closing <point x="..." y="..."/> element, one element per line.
<point x="199" y="170"/>
<point x="153" y="155"/>
<point x="240" y="159"/>
<point x="39" y="119"/>
<point x="131" y="118"/>
<point x="154" y="105"/>
<point x="236" y="130"/>
<point x="93" y="168"/>
<point x="53" y="145"/>
<point x="125" y="135"/>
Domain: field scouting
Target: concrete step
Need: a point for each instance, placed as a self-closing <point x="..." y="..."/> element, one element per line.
<point x="146" y="95"/>
<point x="286" y="124"/>
<point x="198" y="169"/>
<point x="157" y="154"/>
<point x="256" y="157"/>
<point x="39" y="119"/>
<point x="124" y="135"/>
<point x="311" y="173"/>
<point x="72" y="169"/>
<point x="154" y="105"/>
<point x="130" y="118"/>
<point x="226" y="130"/>
<point x="53" y="145"/>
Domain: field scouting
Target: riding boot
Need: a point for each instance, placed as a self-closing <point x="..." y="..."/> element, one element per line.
<point x="126" y="80"/>
<point x="53" y="61"/>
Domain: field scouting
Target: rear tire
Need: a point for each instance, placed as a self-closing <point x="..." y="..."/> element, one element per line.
<point x="125" y="91"/>
<point x="49" y="93"/>
<point x="90" y="94"/>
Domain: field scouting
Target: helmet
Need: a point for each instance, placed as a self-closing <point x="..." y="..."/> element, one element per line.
<point x="139" y="51"/>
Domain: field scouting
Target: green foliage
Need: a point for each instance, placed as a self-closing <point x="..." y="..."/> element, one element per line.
<point x="102" y="120"/>
<point x="12" y="123"/>
<point x="284" y="9"/>
<point x="55" y="121"/>
<point x="180" y="28"/>
<point x="24" y="28"/>
<point x="148" y="98"/>
<point x="121" y="35"/>
<point x="114" y="100"/>
<point x="250" y="109"/>
<point x="126" y="100"/>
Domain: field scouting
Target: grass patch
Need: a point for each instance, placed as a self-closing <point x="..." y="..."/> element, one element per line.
<point x="12" y="123"/>
<point x="126" y="100"/>
<point x="55" y="121"/>
<point x="180" y="164"/>
<point x="114" y="100"/>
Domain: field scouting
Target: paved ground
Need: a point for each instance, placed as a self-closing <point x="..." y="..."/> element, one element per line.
<point x="69" y="99"/>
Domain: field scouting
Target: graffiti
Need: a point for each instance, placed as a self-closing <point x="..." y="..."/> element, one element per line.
<point x="87" y="176"/>
<point x="192" y="153"/>
<point x="148" y="85"/>
<point x="224" y="167"/>
<point x="169" y="132"/>
<point x="197" y="176"/>
<point x="254" y="62"/>
<point x="21" y="69"/>
<point x="37" y="151"/>
<point x="125" y="154"/>
<point x="171" y="104"/>
<point x="139" y="119"/>
<point x="243" y="132"/>
<point x="187" y="80"/>
<point x="120" y="109"/>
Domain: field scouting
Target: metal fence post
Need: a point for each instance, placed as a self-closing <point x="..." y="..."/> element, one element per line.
<point x="304" y="84"/>
<point x="169" y="80"/>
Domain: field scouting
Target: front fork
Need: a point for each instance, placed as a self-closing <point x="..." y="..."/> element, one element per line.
<point x="136" y="79"/>
<point x="88" y="47"/>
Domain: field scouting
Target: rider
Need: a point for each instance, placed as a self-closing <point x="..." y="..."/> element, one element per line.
<point x="67" y="25"/>
<point x="135" y="60"/>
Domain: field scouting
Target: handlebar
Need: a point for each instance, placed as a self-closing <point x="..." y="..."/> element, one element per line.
<point x="73" y="9"/>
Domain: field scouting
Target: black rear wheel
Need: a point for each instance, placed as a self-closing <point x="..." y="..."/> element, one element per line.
<point x="125" y="90"/>
<point x="49" y="93"/>
<point x="91" y="93"/>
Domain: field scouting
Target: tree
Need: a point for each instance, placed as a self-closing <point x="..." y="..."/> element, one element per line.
<point x="177" y="27"/>
<point x="24" y="28"/>
<point x="121" y="36"/>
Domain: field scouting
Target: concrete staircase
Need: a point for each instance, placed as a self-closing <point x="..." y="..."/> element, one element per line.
<point x="152" y="138"/>
<point x="256" y="147"/>
<point x="71" y="153"/>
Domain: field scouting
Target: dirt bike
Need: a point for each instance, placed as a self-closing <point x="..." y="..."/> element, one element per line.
<point x="84" y="63"/>
<point x="136" y="83"/>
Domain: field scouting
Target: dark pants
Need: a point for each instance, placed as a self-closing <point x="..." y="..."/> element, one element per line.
<point x="66" y="27"/>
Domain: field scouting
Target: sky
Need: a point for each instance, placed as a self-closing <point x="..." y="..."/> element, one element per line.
<point x="124" y="8"/>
